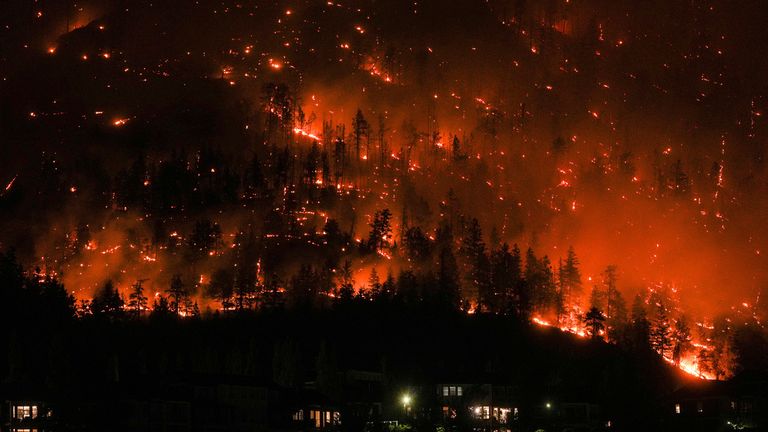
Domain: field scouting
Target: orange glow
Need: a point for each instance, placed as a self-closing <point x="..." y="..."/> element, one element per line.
<point x="301" y="132"/>
<point x="275" y="64"/>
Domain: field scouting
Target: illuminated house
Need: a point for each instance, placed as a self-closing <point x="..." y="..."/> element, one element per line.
<point x="312" y="411"/>
<point x="317" y="417"/>
<point x="25" y="416"/>
<point x="466" y="405"/>
<point x="481" y="406"/>
<point x="738" y="404"/>
<point x="357" y="402"/>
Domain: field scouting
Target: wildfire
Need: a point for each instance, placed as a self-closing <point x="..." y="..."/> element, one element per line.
<point x="690" y="366"/>
<point x="110" y="250"/>
<point x="302" y="132"/>
<point x="377" y="71"/>
<point x="573" y="329"/>
<point x="275" y="64"/>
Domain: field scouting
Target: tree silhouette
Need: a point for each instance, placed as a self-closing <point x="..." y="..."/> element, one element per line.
<point x="221" y="287"/>
<point x="594" y="320"/>
<point x="178" y="294"/>
<point x="448" y="279"/>
<point x="506" y="278"/>
<point x="681" y="339"/>
<point x="303" y="288"/>
<point x="476" y="266"/>
<point x="681" y="183"/>
<point x="374" y="285"/>
<point x="640" y="328"/>
<point x="161" y="309"/>
<point x="660" y="337"/>
<point x="107" y="302"/>
<point x="359" y="130"/>
<point x="417" y="245"/>
<point x="205" y="238"/>
<point x="540" y="283"/>
<point x="570" y="277"/>
<point x="381" y="230"/>
<point x="346" y="283"/>
<point x="616" y="308"/>
<point x="137" y="301"/>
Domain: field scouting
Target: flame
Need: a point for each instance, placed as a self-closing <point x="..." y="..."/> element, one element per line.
<point x="10" y="184"/>
<point x="690" y="365"/>
<point x="374" y="68"/>
<point x="302" y="132"/>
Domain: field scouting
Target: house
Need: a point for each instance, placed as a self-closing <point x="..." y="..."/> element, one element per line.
<point x="738" y="404"/>
<point x="311" y="410"/>
<point x="461" y="403"/>
<point x="194" y="403"/>
<point x="363" y="393"/>
<point x="25" y="415"/>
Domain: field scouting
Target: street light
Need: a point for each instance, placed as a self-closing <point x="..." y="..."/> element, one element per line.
<point x="406" y="399"/>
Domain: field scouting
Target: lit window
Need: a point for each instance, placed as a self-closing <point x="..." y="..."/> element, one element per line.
<point x="677" y="408"/>
<point x="453" y="391"/>
<point x="298" y="415"/>
<point x="458" y="391"/>
<point x="481" y="412"/>
<point x="445" y="390"/>
<point x="22" y="412"/>
<point x="700" y="406"/>
<point x="486" y="413"/>
<point x="502" y="415"/>
<point x="336" y="418"/>
<point x="316" y="417"/>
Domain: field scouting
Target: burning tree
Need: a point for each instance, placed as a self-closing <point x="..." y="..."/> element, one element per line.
<point x="381" y="231"/>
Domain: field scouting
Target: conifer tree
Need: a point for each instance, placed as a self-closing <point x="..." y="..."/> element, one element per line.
<point x="137" y="301"/>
